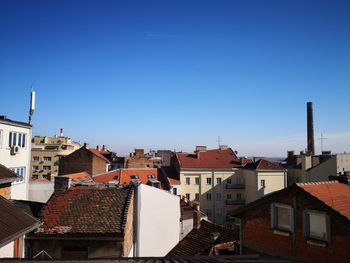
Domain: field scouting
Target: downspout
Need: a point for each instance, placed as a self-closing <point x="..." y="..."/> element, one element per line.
<point x="137" y="212"/>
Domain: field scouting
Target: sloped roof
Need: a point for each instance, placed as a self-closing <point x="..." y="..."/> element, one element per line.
<point x="14" y="222"/>
<point x="7" y="175"/>
<point x="214" y="159"/>
<point x="200" y="241"/>
<point x="332" y="193"/>
<point x="98" y="154"/>
<point x="79" y="177"/>
<point x="123" y="175"/>
<point x="263" y="164"/>
<point x="85" y="211"/>
<point x="30" y="207"/>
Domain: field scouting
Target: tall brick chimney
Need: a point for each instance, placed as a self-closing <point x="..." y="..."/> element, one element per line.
<point x="310" y="130"/>
<point x="196" y="217"/>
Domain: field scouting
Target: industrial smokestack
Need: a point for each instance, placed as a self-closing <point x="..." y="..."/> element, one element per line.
<point x="310" y="129"/>
<point x="61" y="132"/>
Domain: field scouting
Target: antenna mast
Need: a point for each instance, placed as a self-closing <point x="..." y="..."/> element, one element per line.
<point x="219" y="141"/>
<point x="322" y="139"/>
<point x="32" y="105"/>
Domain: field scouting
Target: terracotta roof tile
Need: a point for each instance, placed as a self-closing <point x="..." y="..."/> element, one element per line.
<point x="263" y="164"/>
<point x="98" y="154"/>
<point x="14" y="221"/>
<point x="87" y="211"/>
<point x="79" y="177"/>
<point x="332" y="193"/>
<point x="124" y="175"/>
<point x="200" y="241"/>
<point x="216" y="159"/>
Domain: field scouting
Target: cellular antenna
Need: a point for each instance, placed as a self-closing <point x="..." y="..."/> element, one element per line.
<point x="32" y="104"/>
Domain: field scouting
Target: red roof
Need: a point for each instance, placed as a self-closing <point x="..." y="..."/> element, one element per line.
<point x="219" y="159"/>
<point x="124" y="175"/>
<point x="332" y="193"/>
<point x="79" y="177"/>
<point x="98" y="154"/>
<point x="173" y="181"/>
<point x="263" y="164"/>
<point x="85" y="211"/>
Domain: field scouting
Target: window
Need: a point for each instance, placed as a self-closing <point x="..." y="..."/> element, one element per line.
<point x="197" y="180"/>
<point x="219" y="213"/>
<point x="239" y="196"/>
<point x="17" y="139"/>
<point x="21" y="172"/>
<point x="218" y="180"/>
<point x="262" y="183"/>
<point x="175" y="191"/>
<point x="188" y="196"/>
<point x="46" y="167"/>
<point x="35" y="167"/>
<point x="36" y="158"/>
<point x="35" y="176"/>
<point x="282" y="217"/>
<point x="218" y="196"/>
<point x="196" y="197"/>
<point x="208" y="180"/>
<point x="134" y="177"/>
<point x="229" y="181"/>
<point x="316" y="225"/>
<point x="188" y="180"/>
<point x="47" y="158"/>
<point x="209" y="197"/>
<point x="229" y="196"/>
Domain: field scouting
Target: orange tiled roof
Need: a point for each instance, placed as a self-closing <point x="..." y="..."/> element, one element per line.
<point x="263" y="164"/>
<point x="173" y="181"/>
<point x="223" y="159"/>
<point x="124" y="175"/>
<point x="332" y="193"/>
<point x="79" y="177"/>
<point x="98" y="154"/>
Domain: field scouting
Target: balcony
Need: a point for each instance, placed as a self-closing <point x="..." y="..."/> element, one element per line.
<point x="238" y="185"/>
<point x="235" y="202"/>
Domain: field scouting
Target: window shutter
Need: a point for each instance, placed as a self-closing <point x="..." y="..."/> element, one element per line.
<point x="273" y="217"/>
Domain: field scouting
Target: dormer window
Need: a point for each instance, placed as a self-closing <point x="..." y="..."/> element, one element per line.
<point x="134" y="177"/>
<point x="151" y="176"/>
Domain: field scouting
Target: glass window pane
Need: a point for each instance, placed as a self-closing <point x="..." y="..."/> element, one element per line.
<point x="24" y="141"/>
<point x="10" y="139"/>
<point x="19" y="139"/>
<point x="283" y="217"/>
<point x="14" y="139"/>
<point x="318" y="225"/>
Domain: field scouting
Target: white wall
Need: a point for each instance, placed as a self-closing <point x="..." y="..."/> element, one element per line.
<point x="40" y="191"/>
<point x="19" y="190"/>
<point x="158" y="220"/>
<point x="7" y="251"/>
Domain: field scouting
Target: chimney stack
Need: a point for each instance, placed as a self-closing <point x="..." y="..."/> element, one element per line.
<point x="196" y="217"/>
<point x="310" y="130"/>
<point x="97" y="148"/>
<point x="61" y="183"/>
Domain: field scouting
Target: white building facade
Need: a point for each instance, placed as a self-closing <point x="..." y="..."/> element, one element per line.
<point x="15" y="152"/>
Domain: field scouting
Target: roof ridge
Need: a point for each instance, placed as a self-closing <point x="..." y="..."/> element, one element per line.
<point x="317" y="183"/>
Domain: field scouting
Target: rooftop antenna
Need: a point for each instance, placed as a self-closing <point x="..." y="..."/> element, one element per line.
<point x="322" y="139"/>
<point x="219" y="141"/>
<point x="32" y="104"/>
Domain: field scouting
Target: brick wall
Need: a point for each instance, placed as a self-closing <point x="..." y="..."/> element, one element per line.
<point x="258" y="234"/>
<point x="78" y="161"/>
<point x="129" y="228"/>
<point x="98" y="165"/>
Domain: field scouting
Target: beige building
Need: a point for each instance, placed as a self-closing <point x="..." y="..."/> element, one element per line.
<point x="212" y="178"/>
<point x="46" y="153"/>
<point x="263" y="177"/>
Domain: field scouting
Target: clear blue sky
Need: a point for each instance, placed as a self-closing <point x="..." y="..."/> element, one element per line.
<point x="175" y="74"/>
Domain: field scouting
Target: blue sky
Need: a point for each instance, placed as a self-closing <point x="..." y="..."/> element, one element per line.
<point x="175" y="74"/>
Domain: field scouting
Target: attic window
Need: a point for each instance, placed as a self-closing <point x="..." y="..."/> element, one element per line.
<point x="151" y="176"/>
<point x="316" y="225"/>
<point x="116" y="177"/>
<point x="134" y="177"/>
<point x="282" y="217"/>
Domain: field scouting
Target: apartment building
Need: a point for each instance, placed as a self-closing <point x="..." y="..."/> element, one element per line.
<point x="213" y="179"/>
<point x="46" y="153"/>
<point x="15" y="148"/>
